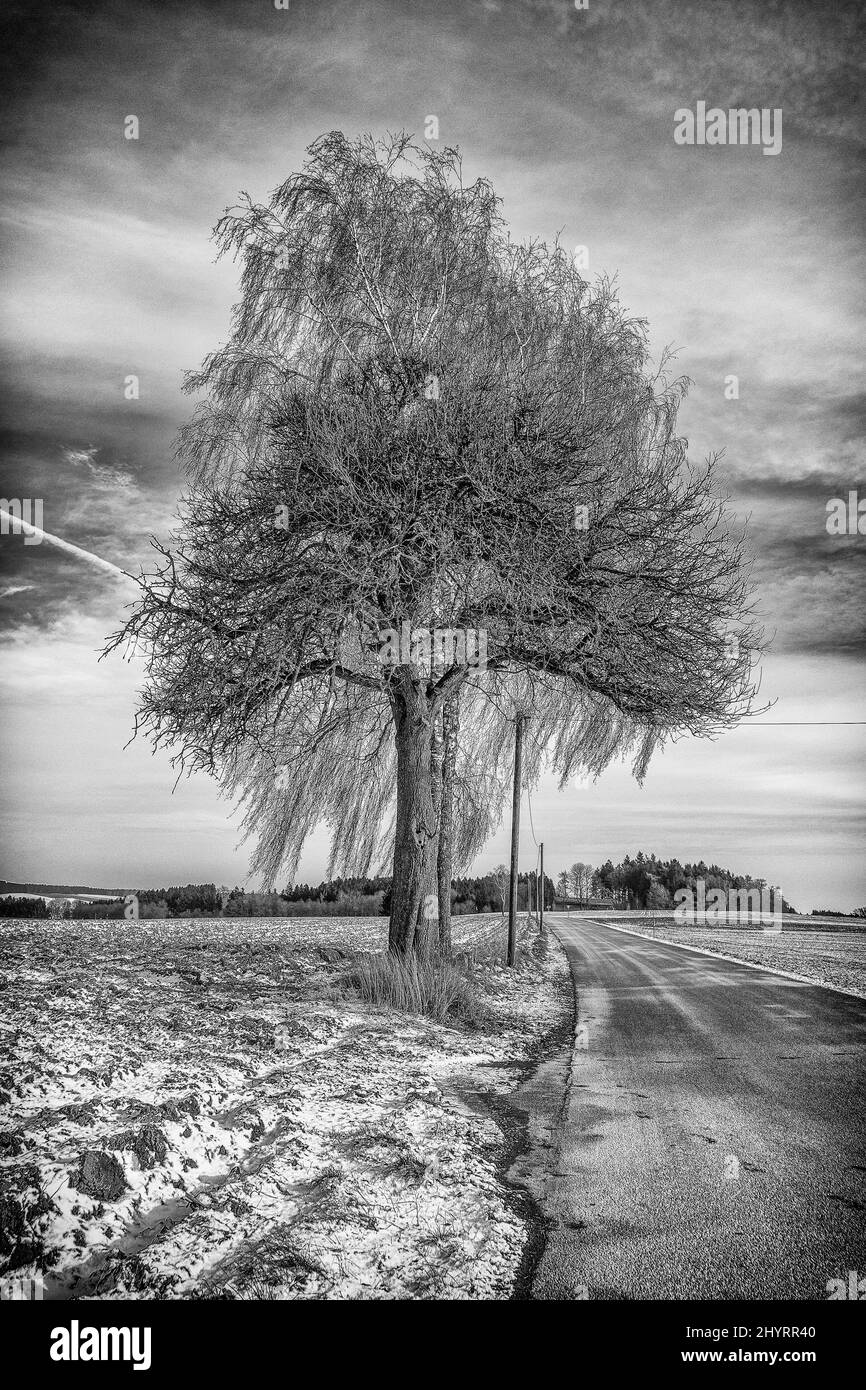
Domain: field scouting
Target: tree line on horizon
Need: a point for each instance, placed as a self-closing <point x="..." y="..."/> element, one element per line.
<point x="645" y="883"/>
<point x="640" y="883"/>
<point x="340" y="897"/>
<point x="633" y="884"/>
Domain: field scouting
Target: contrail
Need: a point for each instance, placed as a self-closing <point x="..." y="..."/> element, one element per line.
<point x="30" y="530"/>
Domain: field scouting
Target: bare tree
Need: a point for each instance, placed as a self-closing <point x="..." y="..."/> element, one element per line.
<point x="502" y="874"/>
<point x="576" y="875"/>
<point x="419" y="427"/>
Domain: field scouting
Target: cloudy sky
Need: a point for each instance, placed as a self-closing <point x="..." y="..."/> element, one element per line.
<point x="750" y="265"/>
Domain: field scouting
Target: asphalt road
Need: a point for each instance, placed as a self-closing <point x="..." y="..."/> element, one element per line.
<point x="713" y="1138"/>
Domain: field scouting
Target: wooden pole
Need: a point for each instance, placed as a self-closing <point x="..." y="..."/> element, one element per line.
<point x="515" y="839"/>
<point x="541" y="900"/>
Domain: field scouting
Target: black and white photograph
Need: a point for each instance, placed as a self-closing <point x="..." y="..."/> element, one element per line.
<point x="432" y="662"/>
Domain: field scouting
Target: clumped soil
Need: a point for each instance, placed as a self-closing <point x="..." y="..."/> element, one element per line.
<point x="202" y="1109"/>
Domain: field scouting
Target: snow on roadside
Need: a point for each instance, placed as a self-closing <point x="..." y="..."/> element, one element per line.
<point x="192" y="1109"/>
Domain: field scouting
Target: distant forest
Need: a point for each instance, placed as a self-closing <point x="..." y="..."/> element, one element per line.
<point x="340" y="897"/>
<point x="637" y="883"/>
<point x="646" y="882"/>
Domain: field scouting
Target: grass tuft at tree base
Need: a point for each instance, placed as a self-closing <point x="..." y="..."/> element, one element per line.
<point x="434" y="988"/>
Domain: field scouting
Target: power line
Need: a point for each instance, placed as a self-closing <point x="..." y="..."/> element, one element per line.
<point x="801" y="723"/>
<point x="529" y="804"/>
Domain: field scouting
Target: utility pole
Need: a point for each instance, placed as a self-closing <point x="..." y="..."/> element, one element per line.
<point x="541" y="899"/>
<point x="515" y="838"/>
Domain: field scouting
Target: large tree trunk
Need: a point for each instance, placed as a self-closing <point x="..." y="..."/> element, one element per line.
<point x="426" y="926"/>
<point x="445" y="847"/>
<point x="416" y="826"/>
<point x="427" y="932"/>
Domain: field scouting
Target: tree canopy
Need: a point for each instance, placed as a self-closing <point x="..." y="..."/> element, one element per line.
<point x="416" y="421"/>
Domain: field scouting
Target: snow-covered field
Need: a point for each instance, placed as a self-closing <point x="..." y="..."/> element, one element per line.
<point x="196" y="1109"/>
<point x="835" y="957"/>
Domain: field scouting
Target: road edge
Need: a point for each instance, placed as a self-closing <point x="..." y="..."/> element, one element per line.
<point x="735" y="960"/>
